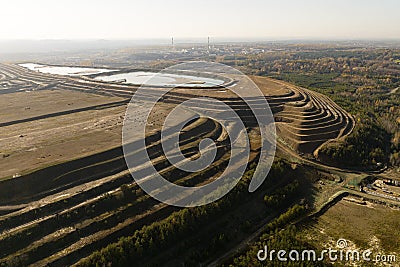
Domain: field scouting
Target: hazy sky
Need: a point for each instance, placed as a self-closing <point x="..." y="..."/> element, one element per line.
<point x="129" y="19"/>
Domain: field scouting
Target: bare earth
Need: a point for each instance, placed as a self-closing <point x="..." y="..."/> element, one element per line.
<point x="30" y="145"/>
<point x="49" y="141"/>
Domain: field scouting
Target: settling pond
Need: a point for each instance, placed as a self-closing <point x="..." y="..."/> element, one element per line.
<point x="133" y="77"/>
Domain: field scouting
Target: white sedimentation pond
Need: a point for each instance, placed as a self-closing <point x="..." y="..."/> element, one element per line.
<point x="61" y="70"/>
<point x="161" y="79"/>
<point x="133" y="77"/>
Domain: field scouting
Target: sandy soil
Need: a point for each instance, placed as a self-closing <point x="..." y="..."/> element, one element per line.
<point x="35" y="144"/>
<point x="22" y="105"/>
<point x="267" y="86"/>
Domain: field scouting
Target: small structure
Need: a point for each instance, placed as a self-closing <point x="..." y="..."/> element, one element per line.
<point x="391" y="182"/>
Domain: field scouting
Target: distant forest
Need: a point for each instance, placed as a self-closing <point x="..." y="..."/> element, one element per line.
<point x="364" y="81"/>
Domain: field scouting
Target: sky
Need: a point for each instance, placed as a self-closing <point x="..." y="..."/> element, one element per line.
<point x="146" y="19"/>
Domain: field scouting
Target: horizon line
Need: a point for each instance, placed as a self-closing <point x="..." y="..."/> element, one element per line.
<point x="177" y="39"/>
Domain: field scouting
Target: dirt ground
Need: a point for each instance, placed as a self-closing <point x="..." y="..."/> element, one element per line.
<point x="267" y="86"/>
<point x="22" y="105"/>
<point x="35" y="144"/>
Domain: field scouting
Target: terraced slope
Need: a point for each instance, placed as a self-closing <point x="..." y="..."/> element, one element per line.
<point x="311" y="120"/>
<point x="67" y="218"/>
<point x="59" y="214"/>
<point x="305" y="119"/>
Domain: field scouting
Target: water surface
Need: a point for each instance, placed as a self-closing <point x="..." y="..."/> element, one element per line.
<point x="161" y="79"/>
<point x="61" y="70"/>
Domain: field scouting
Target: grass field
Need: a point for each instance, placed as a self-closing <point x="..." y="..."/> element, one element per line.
<point x="369" y="226"/>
